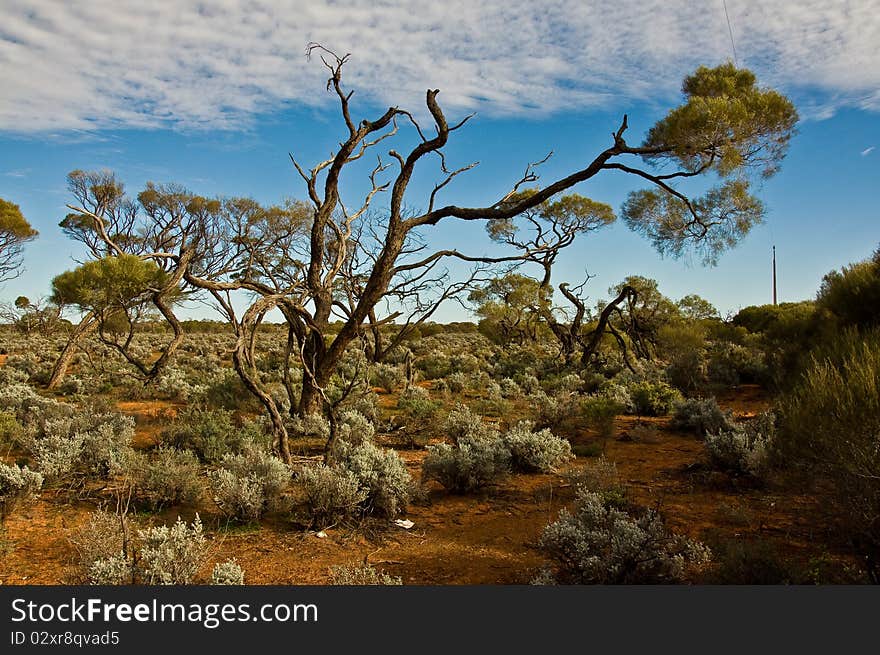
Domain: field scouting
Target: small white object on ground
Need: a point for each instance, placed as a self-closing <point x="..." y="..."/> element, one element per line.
<point x="406" y="524"/>
<point x="321" y="534"/>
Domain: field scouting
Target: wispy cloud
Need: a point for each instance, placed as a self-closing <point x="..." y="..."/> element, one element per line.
<point x="18" y="173"/>
<point x="867" y="151"/>
<point x="120" y="63"/>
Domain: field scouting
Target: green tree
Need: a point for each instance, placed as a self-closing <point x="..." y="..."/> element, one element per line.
<point x="696" y="308"/>
<point x="852" y="294"/>
<point x="15" y="231"/>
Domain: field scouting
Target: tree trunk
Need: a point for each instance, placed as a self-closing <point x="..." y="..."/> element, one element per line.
<point x="86" y="325"/>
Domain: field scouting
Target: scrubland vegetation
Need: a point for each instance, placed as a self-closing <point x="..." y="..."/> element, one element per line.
<point x="637" y="439"/>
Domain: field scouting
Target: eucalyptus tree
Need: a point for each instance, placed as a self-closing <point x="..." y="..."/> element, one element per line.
<point x="15" y="231"/>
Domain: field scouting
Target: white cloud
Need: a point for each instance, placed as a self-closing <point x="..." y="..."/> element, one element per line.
<point x="105" y="63"/>
<point x="867" y="151"/>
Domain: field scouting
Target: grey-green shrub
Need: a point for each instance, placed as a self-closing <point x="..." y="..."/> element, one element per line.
<point x="700" y="416"/>
<point x="354" y="428"/>
<point x="598" y="543"/>
<point x="532" y="451"/>
<point x="329" y="494"/>
<point x="171" y="555"/>
<point x="469" y="465"/>
<point x="361" y="576"/>
<point x="462" y="422"/>
<point x="227" y="573"/>
<point x="387" y="377"/>
<point x="381" y="476"/>
<point x="17" y="485"/>
<point x="744" y="448"/>
<point x="247" y="484"/>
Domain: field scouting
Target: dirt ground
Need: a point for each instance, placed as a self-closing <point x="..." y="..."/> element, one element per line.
<point x="483" y="539"/>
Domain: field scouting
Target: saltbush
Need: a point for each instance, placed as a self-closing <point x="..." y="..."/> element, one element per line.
<point x="247" y="484"/>
<point x="532" y="451"/>
<point x="361" y="576"/>
<point x="171" y="555"/>
<point x="227" y="573"/>
<point x="17" y="485"/>
<point x="382" y="477"/>
<point x="469" y="465"/>
<point x="330" y="494"/>
<point x="700" y="416"/>
<point x="744" y="448"/>
<point x="598" y="543"/>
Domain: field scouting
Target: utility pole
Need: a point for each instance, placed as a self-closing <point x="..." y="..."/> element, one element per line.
<point x="774" y="275"/>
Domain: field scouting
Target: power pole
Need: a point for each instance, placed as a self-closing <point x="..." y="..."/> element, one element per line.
<point x="774" y="275"/>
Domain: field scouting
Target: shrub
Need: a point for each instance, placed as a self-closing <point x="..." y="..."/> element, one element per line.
<point x="601" y="544"/>
<point x="601" y="477"/>
<point x="227" y="573"/>
<point x="171" y="556"/>
<point x="700" y="416"/>
<point x="209" y="433"/>
<point x="166" y="476"/>
<point x="418" y="410"/>
<point x="387" y="377"/>
<point x="751" y="562"/>
<point x="744" y="448"/>
<point x="461" y="422"/>
<point x="228" y="392"/>
<point x="471" y="464"/>
<point x="354" y="428"/>
<point x="113" y="570"/>
<point x="456" y="382"/>
<point x="535" y="451"/>
<point x="101" y="537"/>
<point x="330" y="494"/>
<point x="248" y="484"/>
<point x="382" y="477"/>
<point x="17" y="485"/>
<point x="831" y="428"/>
<point x="600" y="412"/>
<point x="360" y="576"/>
<point x="557" y="412"/>
<point x="311" y="425"/>
<point x="653" y="398"/>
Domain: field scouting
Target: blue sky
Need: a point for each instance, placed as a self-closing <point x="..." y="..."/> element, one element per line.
<point x="215" y="99"/>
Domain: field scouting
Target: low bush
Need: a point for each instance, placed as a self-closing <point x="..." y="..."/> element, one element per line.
<point x="163" y="477"/>
<point x="387" y="377"/>
<point x="209" y="433"/>
<point x="361" y="576"/>
<point x="700" y="416"/>
<point x="601" y="544"/>
<point x="171" y="555"/>
<point x="17" y="485"/>
<point x="600" y="413"/>
<point x="462" y="422"/>
<point x="382" y="477"/>
<point x="330" y="494"/>
<point x="531" y="451"/>
<point x="247" y="484"/>
<point x="653" y="398"/>
<point x="227" y="573"/>
<point x="469" y="465"/>
<point x="744" y="448"/>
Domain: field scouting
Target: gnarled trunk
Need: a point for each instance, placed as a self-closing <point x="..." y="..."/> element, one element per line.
<point x="88" y="323"/>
